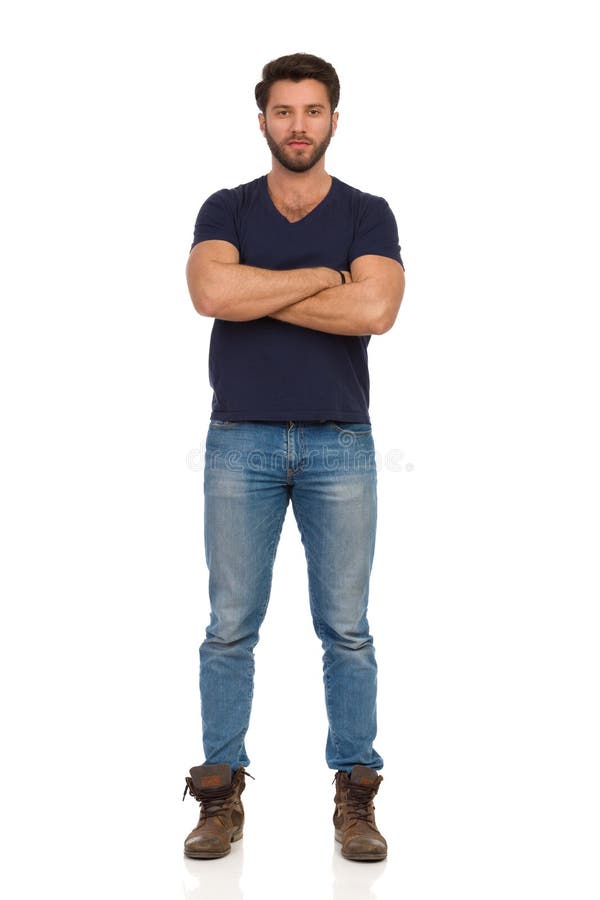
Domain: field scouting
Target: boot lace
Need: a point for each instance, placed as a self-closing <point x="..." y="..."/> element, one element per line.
<point x="359" y="804"/>
<point x="214" y="802"/>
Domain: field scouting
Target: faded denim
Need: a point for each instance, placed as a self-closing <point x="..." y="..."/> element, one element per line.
<point x="252" y="471"/>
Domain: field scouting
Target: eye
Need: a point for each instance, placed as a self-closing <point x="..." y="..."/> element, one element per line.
<point x="315" y="112"/>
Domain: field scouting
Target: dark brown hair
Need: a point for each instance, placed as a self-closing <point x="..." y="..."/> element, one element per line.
<point x="297" y="67"/>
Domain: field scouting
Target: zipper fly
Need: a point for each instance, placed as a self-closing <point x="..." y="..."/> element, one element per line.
<point x="294" y="450"/>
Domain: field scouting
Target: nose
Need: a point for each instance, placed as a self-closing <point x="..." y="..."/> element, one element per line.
<point x="298" y="124"/>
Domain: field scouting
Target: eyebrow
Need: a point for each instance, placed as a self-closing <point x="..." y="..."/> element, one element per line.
<point x="306" y="106"/>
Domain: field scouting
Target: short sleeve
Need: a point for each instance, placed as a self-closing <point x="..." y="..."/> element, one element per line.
<point x="216" y="220"/>
<point x="376" y="232"/>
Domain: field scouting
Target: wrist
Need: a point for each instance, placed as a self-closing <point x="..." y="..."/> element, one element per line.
<point x="336" y="278"/>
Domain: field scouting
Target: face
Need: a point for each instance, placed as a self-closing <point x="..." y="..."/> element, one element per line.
<point x="298" y="124"/>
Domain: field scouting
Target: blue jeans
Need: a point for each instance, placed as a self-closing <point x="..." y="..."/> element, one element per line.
<point x="252" y="471"/>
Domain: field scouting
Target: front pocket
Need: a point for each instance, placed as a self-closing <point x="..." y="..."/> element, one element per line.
<point x="355" y="428"/>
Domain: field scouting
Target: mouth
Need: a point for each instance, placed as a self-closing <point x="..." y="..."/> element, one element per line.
<point x="298" y="144"/>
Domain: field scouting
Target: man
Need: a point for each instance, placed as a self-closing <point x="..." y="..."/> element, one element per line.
<point x="297" y="269"/>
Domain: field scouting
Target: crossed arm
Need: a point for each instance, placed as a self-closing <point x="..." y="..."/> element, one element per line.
<point x="368" y="303"/>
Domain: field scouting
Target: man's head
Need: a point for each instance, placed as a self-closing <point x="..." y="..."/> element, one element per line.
<point x="297" y="98"/>
<point x="297" y="67"/>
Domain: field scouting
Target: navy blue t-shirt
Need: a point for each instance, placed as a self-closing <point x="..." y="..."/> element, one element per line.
<point x="264" y="369"/>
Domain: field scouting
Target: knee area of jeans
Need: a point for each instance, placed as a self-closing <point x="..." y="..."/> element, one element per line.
<point x="351" y="643"/>
<point x="227" y="638"/>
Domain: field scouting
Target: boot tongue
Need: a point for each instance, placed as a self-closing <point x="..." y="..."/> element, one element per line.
<point x="363" y="775"/>
<point x="205" y="778"/>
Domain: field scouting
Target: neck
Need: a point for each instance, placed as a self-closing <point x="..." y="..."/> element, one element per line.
<point x="312" y="183"/>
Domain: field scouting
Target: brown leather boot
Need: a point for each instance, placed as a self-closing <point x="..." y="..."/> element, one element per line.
<point x="354" y="817"/>
<point x="221" y="815"/>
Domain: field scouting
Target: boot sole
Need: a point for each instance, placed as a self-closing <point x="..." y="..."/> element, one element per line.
<point x="210" y="854"/>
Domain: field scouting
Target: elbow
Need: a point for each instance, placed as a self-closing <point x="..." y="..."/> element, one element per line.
<point x="203" y="304"/>
<point x="203" y="288"/>
<point x="381" y="303"/>
<point x="385" y="318"/>
<point x="385" y="323"/>
<point x="203" y="298"/>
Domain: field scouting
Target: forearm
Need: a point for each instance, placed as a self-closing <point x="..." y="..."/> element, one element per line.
<point x="239" y="293"/>
<point x="367" y="304"/>
<point x="345" y="309"/>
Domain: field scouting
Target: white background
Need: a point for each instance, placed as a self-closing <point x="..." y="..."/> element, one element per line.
<point x="478" y="122"/>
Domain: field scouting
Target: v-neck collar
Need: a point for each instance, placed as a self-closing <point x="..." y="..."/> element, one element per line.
<point x="315" y="209"/>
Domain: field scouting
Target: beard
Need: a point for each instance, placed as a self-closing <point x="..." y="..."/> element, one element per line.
<point x="291" y="159"/>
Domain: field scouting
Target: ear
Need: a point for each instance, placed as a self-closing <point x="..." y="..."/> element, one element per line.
<point x="261" y="123"/>
<point x="334" y="123"/>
